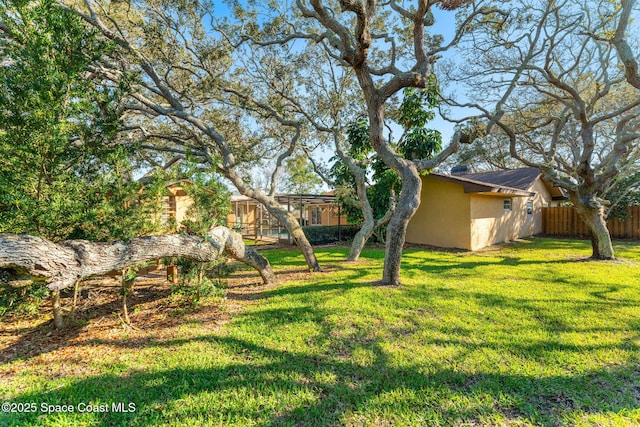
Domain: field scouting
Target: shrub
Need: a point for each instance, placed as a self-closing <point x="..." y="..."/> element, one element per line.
<point x="24" y="301"/>
<point x="201" y="280"/>
<point x="321" y="235"/>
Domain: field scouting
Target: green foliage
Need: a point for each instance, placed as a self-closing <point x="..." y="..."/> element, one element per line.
<point x="417" y="142"/>
<point x="62" y="172"/>
<point x="358" y="137"/>
<point x="384" y="180"/>
<point x="23" y="301"/>
<point x="320" y="235"/>
<point x="210" y="207"/>
<point x="211" y="204"/>
<point x="625" y="191"/>
<point x="415" y="111"/>
<point x="301" y="178"/>
<point x="199" y="281"/>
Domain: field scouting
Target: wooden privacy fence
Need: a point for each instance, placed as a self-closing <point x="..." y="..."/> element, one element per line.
<point x="566" y="222"/>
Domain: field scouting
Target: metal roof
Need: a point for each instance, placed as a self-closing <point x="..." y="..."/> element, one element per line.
<point x="306" y="199"/>
<point x="293" y="199"/>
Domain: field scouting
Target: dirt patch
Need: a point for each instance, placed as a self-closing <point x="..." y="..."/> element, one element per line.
<point x="155" y="313"/>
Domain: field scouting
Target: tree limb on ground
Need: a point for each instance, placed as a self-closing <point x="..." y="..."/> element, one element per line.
<point x="24" y="258"/>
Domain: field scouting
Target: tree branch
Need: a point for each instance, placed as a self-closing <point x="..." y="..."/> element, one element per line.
<point x="62" y="264"/>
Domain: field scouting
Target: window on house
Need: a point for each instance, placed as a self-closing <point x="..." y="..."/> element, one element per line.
<point x="529" y="207"/>
<point x="507" y="204"/>
<point x="316" y="216"/>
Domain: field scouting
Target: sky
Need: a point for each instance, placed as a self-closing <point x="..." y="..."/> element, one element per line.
<point x="444" y="25"/>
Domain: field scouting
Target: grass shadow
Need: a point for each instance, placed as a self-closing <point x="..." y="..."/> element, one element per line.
<point x="333" y="388"/>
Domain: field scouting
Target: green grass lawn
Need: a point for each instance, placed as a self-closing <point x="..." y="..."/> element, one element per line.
<point x="527" y="335"/>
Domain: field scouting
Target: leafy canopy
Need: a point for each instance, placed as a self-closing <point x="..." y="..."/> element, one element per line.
<point x="63" y="173"/>
<point x="417" y="142"/>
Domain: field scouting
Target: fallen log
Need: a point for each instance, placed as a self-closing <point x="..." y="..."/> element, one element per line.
<point x="24" y="258"/>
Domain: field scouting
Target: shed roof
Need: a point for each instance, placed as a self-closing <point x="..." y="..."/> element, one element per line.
<point x="476" y="186"/>
<point x="504" y="181"/>
<point x="306" y="199"/>
<point x="522" y="178"/>
<point x="283" y="199"/>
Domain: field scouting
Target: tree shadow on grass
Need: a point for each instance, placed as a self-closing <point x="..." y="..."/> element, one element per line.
<point x="295" y="388"/>
<point x="353" y="379"/>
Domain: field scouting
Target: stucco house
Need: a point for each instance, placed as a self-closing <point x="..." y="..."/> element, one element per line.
<point x="475" y="210"/>
<point x="175" y="203"/>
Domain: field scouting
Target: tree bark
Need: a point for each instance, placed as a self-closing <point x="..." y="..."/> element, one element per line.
<point x="286" y="219"/>
<point x="62" y="264"/>
<point x="225" y="240"/>
<point x="127" y="289"/>
<point x="299" y="238"/>
<point x="359" y="240"/>
<point x="58" y="317"/>
<point x="369" y="224"/>
<point x="625" y="53"/>
<point x="408" y="203"/>
<point x="593" y="216"/>
<point x="74" y="307"/>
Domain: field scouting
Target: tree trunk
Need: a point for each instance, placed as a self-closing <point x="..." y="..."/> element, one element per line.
<point x="287" y="220"/>
<point x="297" y="234"/>
<point x="406" y="207"/>
<point x="74" y="307"/>
<point x="62" y="264"/>
<point x="230" y="242"/>
<point x="127" y="289"/>
<point x="367" y="228"/>
<point x="369" y="224"/>
<point x="58" y="318"/>
<point x="360" y="239"/>
<point x="301" y="241"/>
<point x="593" y="217"/>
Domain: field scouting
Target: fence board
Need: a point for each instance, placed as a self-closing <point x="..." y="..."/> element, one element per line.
<point x="564" y="220"/>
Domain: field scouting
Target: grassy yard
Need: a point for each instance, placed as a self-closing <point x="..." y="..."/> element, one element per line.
<point x="528" y="335"/>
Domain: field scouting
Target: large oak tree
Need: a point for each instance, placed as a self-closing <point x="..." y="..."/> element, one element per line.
<point x="387" y="47"/>
<point x="553" y="88"/>
<point x="197" y="95"/>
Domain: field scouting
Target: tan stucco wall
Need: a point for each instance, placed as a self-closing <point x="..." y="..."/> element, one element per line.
<point x="182" y="206"/>
<point x="443" y="216"/>
<point x="448" y="217"/>
<point x="491" y="224"/>
<point x="541" y="200"/>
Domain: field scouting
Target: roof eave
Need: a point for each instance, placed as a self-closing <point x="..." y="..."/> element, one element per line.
<point x="477" y="187"/>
